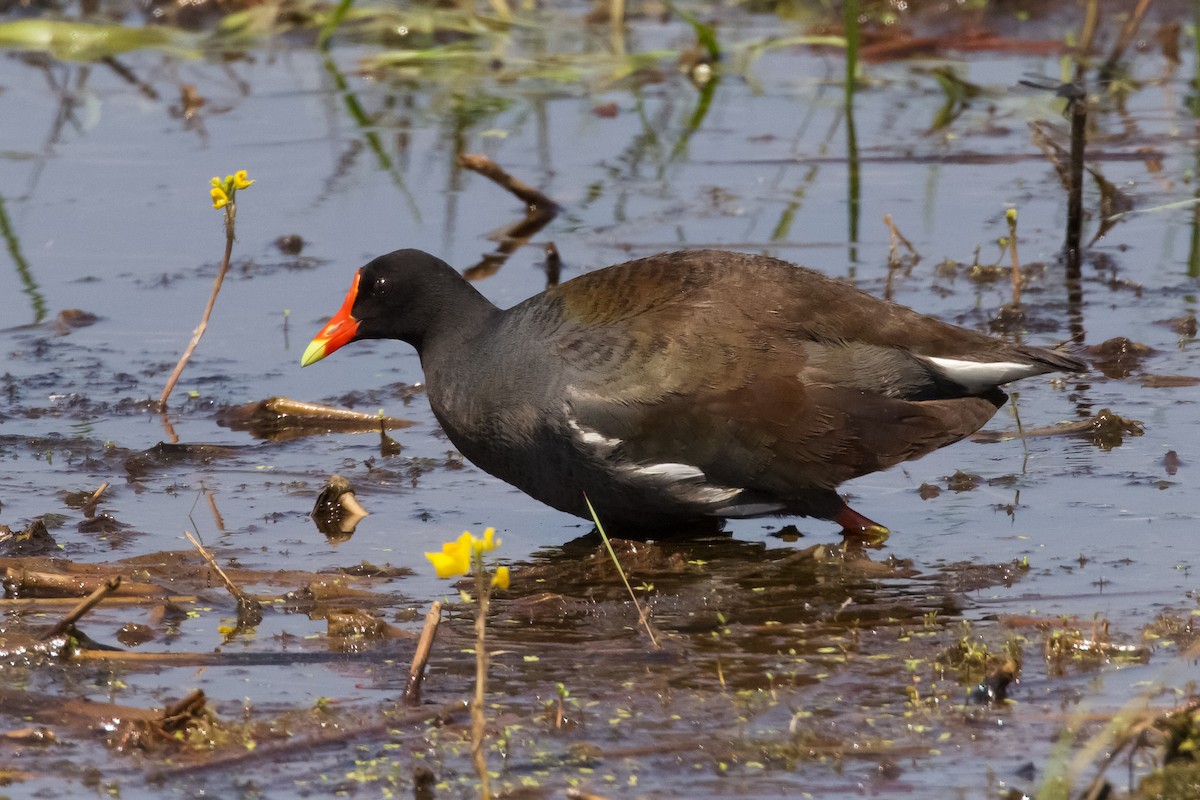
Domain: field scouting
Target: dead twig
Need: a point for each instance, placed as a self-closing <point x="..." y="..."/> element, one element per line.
<point x="11" y="603"/>
<point x="1077" y="107"/>
<point x="1087" y="33"/>
<point x="553" y="265"/>
<point x="77" y="613"/>
<point x="1103" y="423"/>
<point x="1125" y="38"/>
<point x="89" y="508"/>
<point x="416" y="673"/>
<point x="218" y="519"/>
<point x="249" y="608"/>
<point x="539" y="210"/>
<point x="18" y="582"/>
<point x="897" y="236"/>
<point x="490" y="169"/>
<point x="895" y="262"/>
<point x="282" y="419"/>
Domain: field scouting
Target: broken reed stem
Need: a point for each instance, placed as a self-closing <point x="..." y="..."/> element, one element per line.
<point x="1125" y="38"/>
<point x="1087" y="34"/>
<point x="616" y="13"/>
<point x="553" y="265"/>
<point x="1075" y="177"/>
<point x="230" y="214"/>
<point x="490" y="169"/>
<point x="211" y="499"/>
<point x="88" y="603"/>
<point x="249" y="608"/>
<point x="1011" y="216"/>
<point x="897" y="236"/>
<point x="478" y="720"/>
<point x="8" y="603"/>
<point x="89" y="508"/>
<point x="214" y="566"/>
<point x="416" y="673"/>
<point x="72" y="585"/>
<point x="894" y="262"/>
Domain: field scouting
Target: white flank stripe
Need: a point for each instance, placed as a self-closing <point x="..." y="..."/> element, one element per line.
<point x="978" y="376"/>
<point x="590" y="437"/>
<point x="672" y="472"/>
<point x="684" y="482"/>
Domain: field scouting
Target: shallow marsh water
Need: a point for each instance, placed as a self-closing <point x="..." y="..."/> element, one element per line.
<point x="787" y="671"/>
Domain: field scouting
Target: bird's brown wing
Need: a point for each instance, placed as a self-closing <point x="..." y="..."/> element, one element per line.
<point x="780" y="436"/>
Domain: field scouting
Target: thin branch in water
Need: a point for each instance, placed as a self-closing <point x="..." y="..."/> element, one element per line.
<point x="493" y="171"/>
<point x="416" y="673"/>
<point x="89" y="508"/>
<point x="1128" y="33"/>
<point x="249" y="609"/>
<point x="1077" y="107"/>
<point x="539" y="210"/>
<point x="895" y="262"/>
<point x="78" y="612"/>
<point x="553" y="265"/>
<point x="897" y="236"/>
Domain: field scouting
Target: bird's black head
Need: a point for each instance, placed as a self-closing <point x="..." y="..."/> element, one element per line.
<point x="401" y="295"/>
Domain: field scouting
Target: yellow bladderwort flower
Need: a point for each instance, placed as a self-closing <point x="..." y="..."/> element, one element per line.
<point x="460" y="556"/>
<point x="500" y="579"/>
<point x="489" y="542"/>
<point x="223" y="190"/>
<point x="455" y="558"/>
<point x="239" y="179"/>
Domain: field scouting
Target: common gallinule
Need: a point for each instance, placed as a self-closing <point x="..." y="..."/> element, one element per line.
<point x="686" y="386"/>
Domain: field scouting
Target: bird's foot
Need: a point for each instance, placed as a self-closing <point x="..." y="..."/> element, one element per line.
<point x="855" y="525"/>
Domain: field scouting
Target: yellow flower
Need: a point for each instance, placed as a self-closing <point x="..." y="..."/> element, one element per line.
<point x="455" y="558"/>
<point x="238" y="179"/>
<point x="459" y="556"/>
<point x="223" y="190"/>
<point x="500" y="579"/>
<point x="488" y="543"/>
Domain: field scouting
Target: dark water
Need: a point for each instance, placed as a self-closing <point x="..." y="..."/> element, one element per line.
<point x="105" y="201"/>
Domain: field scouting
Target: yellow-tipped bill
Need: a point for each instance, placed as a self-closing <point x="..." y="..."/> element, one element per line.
<point x="340" y="330"/>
